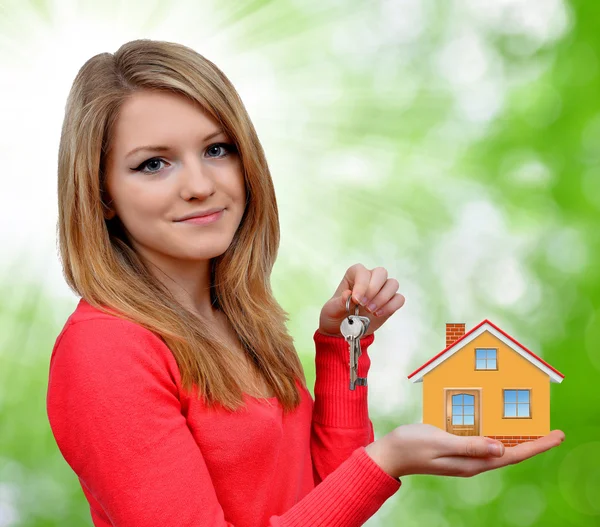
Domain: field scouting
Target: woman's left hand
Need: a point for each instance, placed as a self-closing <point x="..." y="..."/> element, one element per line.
<point x="360" y="282"/>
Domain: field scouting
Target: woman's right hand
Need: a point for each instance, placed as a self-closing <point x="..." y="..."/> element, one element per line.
<point x="427" y="449"/>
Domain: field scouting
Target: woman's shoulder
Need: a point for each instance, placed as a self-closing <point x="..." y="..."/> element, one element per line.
<point x="93" y="342"/>
<point x="90" y="324"/>
<point x="86" y="311"/>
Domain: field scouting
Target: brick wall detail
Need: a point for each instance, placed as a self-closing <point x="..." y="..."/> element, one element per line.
<point x="510" y="441"/>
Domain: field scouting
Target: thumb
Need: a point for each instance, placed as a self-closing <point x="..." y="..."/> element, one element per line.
<point x="478" y="446"/>
<point x="336" y="306"/>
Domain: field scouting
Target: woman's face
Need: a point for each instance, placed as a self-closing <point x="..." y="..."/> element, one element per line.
<point x="194" y="170"/>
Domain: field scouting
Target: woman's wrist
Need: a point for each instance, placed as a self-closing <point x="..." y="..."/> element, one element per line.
<point x="377" y="452"/>
<point x="329" y="334"/>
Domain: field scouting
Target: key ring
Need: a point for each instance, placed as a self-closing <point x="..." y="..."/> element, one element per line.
<point x="356" y="309"/>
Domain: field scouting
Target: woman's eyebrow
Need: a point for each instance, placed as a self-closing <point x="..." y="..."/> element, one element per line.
<point x="160" y="148"/>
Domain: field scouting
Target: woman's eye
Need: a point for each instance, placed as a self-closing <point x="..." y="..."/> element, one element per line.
<point x="228" y="147"/>
<point x="150" y="163"/>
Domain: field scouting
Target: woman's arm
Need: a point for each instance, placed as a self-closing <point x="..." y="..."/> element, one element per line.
<point x="340" y="422"/>
<point x="114" y="411"/>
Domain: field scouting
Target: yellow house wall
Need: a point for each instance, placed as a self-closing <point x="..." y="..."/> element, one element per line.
<point x="514" y="372"/>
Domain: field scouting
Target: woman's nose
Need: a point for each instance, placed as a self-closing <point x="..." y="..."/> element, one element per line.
<point x="196" y="180"/>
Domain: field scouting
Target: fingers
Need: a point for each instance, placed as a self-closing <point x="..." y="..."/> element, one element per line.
<point x="474" y="446"/>
<point x="470" y="466"/>
<point x="383" y="296"/>
<point x="391" y="307"/>
<point x="377" y="281"/>
<point x="359" y="277"/>
<point x="336" y="306"/>
<point x="519" y="453"/>
<point x="343" y="300"/>
<point x="372" y="288"/>
<point x="529" y="449"/>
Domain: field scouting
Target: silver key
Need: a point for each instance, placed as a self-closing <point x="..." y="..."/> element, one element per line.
<point x="352" y="331"/>
<point x="364" y="321"/>
<point x="353" y="328"/>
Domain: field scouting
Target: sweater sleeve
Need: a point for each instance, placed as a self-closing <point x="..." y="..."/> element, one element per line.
<point x="340" y="422"/>
<point x="114" y="410"/>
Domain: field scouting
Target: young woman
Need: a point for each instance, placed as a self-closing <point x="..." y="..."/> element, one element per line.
<point x="175" y="393"/>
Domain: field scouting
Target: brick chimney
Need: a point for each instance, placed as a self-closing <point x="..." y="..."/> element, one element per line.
<point x="454" y="332"/>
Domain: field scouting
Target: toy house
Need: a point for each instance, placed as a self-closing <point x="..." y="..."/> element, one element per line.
<point x="486" y="383"/>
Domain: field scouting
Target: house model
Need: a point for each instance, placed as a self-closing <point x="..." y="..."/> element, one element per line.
<point x="486" y="383"/>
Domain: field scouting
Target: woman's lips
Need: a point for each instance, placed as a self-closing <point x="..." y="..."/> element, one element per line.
<point x="203" y="220"/>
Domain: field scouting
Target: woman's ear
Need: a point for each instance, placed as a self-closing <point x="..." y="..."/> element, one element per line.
<point x="107" y="210"/>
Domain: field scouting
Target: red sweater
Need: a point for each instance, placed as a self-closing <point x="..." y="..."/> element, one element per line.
<point x="149" y="454"/>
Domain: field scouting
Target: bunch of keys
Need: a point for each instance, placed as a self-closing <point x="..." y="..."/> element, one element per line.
<point x="353" y="327"/>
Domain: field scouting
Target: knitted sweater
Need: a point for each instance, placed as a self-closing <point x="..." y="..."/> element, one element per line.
<point x="149" y="454"/>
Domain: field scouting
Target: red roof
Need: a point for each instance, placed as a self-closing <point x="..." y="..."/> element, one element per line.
<point x="474" y="329"/>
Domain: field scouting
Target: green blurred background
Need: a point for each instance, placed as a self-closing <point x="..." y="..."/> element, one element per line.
<point x="454" y="142"/>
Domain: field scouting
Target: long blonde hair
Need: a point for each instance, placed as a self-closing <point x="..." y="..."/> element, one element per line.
<point x="100" y="264"/>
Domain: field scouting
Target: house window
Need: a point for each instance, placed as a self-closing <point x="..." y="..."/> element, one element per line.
<point x="485" y="359"/>
<point x="463" y="409"/>
<point x="516" y="403"/>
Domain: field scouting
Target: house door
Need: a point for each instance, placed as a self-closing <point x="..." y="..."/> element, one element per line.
<point x="462" y="412"/>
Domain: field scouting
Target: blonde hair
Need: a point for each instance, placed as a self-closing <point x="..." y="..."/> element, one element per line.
<point x="100" y="264"/>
